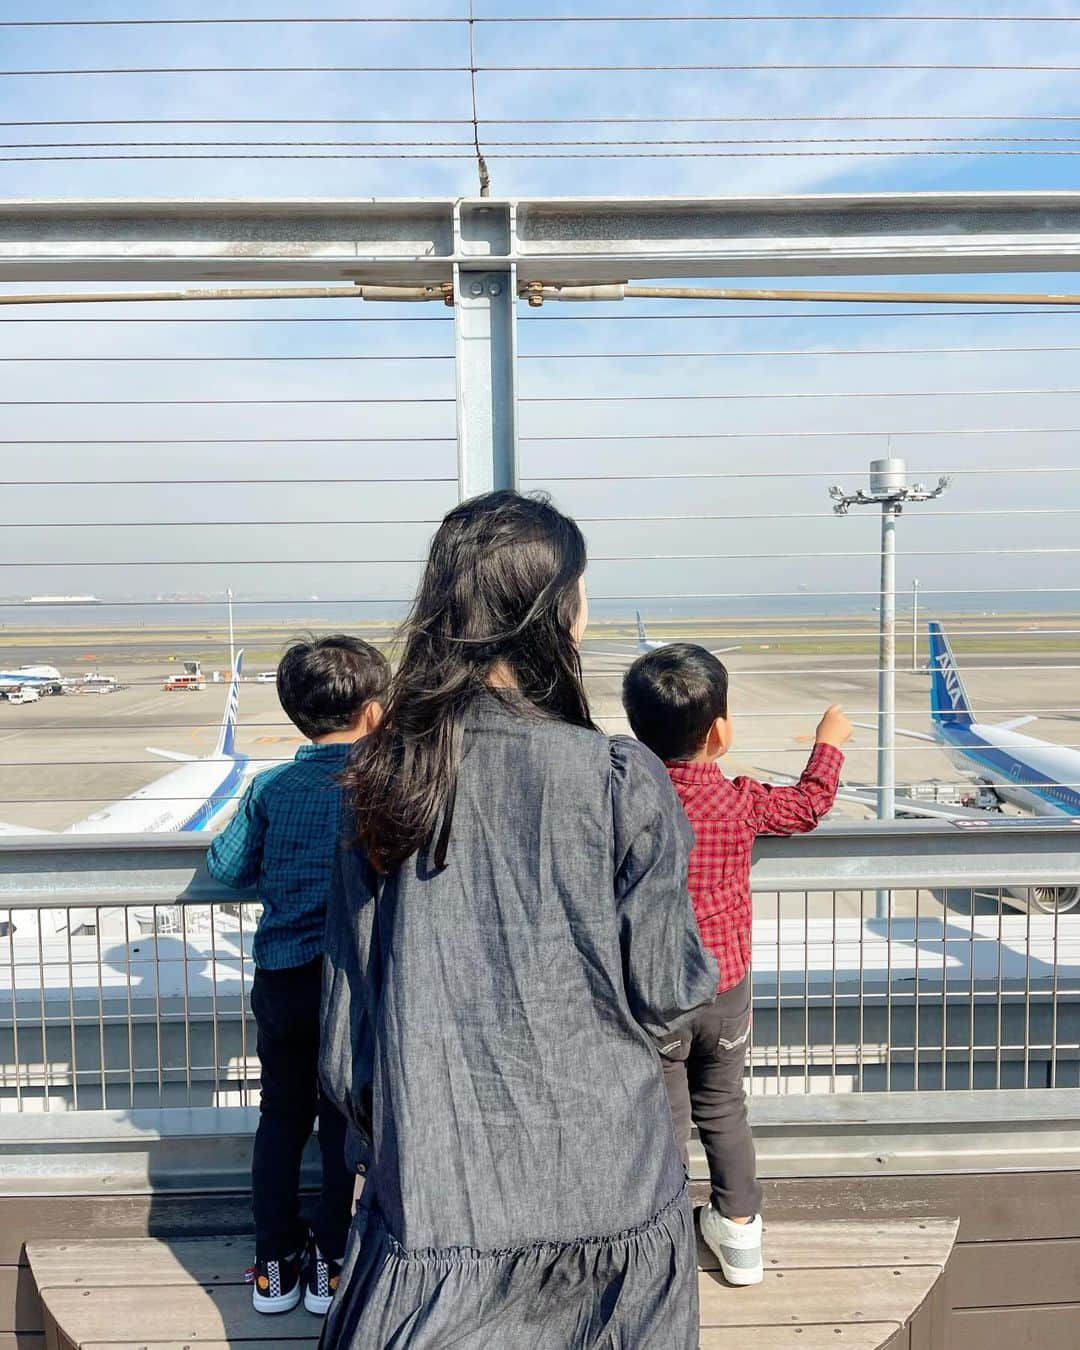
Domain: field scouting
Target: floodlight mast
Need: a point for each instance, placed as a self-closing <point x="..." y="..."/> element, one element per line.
<point x="891" y="491"/>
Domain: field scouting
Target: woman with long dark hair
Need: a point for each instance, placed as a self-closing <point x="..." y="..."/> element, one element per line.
<point x="510" y="924"/>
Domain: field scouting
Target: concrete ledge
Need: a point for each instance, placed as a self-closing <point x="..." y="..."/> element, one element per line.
<point x="884" y="1132"/>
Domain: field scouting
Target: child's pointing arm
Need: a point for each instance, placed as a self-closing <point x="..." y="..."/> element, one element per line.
<point x="799" y="808"/>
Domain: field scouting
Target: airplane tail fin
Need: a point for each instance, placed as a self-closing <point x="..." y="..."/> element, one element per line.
<point x="949" y="702"/>
<point x="642" y="635"/>
<point x="226" y="746"/>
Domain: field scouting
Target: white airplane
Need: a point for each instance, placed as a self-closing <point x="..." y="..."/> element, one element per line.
<point x="35" y="676"/>
<point x="647" y="644"/>
<point x="1036" y="776"/>
<point x="190" y="798"/>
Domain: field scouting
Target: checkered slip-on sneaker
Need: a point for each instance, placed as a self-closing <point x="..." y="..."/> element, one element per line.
<point x="737" y="1246"/>
<point x="277" y="1284"/>
<point x="322" y="1282"/>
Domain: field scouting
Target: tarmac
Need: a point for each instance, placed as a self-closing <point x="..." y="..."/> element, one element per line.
<point x="64" y="757"/>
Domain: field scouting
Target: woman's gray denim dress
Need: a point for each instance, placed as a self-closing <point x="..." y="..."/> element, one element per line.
<point x="487" y="1034"/>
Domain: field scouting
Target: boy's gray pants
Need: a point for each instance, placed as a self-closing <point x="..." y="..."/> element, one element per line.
<point x="703" y="1074"/>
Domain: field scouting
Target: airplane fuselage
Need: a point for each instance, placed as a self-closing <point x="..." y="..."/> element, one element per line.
<point x="29" y="675"/>
<point x="1034" y="775"/>
<point x="187" y="799"/>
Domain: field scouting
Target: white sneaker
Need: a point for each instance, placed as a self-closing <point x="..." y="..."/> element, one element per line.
<point x="277" y="1284"/>
<point x="322" y="1282"/>
<point x="737" y="1246"/>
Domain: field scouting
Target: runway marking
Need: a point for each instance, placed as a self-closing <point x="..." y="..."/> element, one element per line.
<point x="38" y="726"/>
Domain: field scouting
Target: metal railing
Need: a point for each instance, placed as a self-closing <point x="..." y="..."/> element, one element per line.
<point x="125" y="971"/>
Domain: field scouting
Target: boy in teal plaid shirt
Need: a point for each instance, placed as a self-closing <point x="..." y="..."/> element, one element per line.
<point x="282" y="840"/>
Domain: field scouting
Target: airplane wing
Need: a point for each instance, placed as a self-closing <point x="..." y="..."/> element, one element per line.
<point x="636" y="651"/>
<point x="908" y="806"/>
<point x="8" y="830"/>
<point x="169" y="754"/>
<point x="1015" y="722"/>
<point x="905" y="806"/>
<point x="911" y="735"/>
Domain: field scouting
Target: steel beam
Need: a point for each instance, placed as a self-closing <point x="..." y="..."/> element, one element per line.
<point x="485" y="348"/>
<point x="820" y="235"/>
<point x="573" y="241"/>
<point x="42" y="871"/>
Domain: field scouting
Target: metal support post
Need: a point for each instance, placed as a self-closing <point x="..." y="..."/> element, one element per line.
<point x="485" y="345"/>
<point x="886" y="756"/>
<point x="886" y="775"/>
<point x="915" y="624"/>
<point x="889" y="489"/>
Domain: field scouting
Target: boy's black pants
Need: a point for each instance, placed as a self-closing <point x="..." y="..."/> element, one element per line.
<point x="286" y="1008"/>
<point x="703" y="1074"/>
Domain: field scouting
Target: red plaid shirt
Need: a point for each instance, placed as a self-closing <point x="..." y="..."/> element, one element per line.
<point x="728" y="814"/>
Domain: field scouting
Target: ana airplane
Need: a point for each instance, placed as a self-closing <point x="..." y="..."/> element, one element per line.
<point x="189" y="798"/>
<point x="35" y="676"/>
<point x="1034" y="775"/>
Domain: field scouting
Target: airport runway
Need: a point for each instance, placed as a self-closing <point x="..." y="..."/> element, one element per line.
<point x="64" y="757"/>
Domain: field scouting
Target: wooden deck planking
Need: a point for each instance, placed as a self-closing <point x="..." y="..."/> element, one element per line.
<point x="114" y="1264"/>
<point x="808" y="1297"/>
<point x="801" y="1245"/>
<point x="216" y="1261"/>
<point x="835" y="1336"/>
<point x="846" y="1285"/>
<point x="135" y="1316"/>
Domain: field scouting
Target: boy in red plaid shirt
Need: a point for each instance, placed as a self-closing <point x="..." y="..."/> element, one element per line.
<point x="676" y="701"/>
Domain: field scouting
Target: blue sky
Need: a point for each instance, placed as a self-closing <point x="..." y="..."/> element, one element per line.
<point x="564" y="351"/>
<point x="1017" y="95"/>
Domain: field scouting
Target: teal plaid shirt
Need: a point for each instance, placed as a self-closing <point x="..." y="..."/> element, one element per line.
<point x="282" y="840"/>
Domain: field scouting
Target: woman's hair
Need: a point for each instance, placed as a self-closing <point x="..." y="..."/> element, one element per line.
<point x="500" y="589"/>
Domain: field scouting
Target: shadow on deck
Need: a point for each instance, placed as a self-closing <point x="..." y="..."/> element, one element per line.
<point x="856" y="1286"/>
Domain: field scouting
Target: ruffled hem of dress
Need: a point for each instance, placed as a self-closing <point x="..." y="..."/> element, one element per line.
<point x="474" y="1256"/>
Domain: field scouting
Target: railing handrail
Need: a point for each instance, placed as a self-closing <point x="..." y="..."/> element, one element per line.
<point x="41" y="871"/>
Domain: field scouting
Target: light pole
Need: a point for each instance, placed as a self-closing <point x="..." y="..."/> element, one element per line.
<point x="915" y="624"/>
<point x="891" y="491"/>
<point x="232" y="640"/>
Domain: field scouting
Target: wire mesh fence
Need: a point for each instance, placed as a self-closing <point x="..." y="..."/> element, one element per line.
<point x="125" y="1006"/>
<point x="970" y="990"/>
